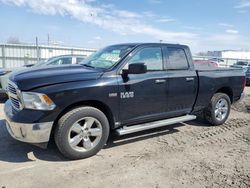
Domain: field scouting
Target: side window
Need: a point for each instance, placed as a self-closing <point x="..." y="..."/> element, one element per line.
<point x="151" y="56"/>
<point x="79" y="60"/>
<point x="177" y="59"/>
<point x="66" y="61"/>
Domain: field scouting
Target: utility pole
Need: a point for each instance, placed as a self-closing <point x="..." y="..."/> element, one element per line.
<point x="3" y="55"/>
<point x="48" y="40"/>
<point x="37" y="50"/>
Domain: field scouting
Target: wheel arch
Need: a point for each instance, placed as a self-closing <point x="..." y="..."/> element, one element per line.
<point x="93" y="103"/>
<point x="226" y="90"/>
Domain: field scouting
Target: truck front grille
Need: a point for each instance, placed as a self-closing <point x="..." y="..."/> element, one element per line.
<point x="12" y="89"/>
<point x="13" y="96"/>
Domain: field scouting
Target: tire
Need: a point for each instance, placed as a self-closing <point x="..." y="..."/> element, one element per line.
<point x="3" y="97"/>
<point x="211" y="112"/>
<point x="78" y="124"/>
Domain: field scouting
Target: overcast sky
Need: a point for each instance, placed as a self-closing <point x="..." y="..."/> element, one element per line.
<point x="202" y="24"/>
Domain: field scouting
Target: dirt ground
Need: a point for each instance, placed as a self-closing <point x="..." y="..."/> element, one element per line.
<point x="181" y="155"/>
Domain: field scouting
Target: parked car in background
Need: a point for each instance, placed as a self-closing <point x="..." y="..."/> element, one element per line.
<point x="248" y="75"/>
<point x="2" y="73"/>
<point x="57" y="60"/>
<point x="241" y="64"/>
<point x="205" y="63"/>
<point x="220" y="62"/>
<point x="61" y="60"/>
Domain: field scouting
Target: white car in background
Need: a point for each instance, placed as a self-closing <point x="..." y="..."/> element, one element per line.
<point x="241" y="64"/>
<point x="57" y="60"/>
<point x="219" y="62"/>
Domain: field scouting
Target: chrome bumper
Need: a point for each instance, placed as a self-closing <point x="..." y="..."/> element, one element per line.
<point x="31" y="133"/>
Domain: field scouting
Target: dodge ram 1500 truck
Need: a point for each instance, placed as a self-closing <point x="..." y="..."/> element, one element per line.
<point x="125" y="88"/>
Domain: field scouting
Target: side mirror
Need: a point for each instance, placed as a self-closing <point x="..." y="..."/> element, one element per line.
<point x="136" y="68"/>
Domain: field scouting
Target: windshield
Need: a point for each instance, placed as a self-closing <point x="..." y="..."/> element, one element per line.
<point x="107" y="57"/>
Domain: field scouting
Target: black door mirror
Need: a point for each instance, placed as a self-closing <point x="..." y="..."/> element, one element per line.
<point x="136" y="68"/>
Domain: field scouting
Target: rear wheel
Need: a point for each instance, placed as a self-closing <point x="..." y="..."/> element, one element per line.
<point x="218" y="109"/>
<point x="81" y="132"/>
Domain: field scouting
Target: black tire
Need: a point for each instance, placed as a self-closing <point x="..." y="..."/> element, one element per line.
<point x="3" y="97"/>
<point x="65" y="124"/>
<point x="209" y="112"/>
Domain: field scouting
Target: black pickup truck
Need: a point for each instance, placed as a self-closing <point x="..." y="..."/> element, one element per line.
<point x="125" y="88"/>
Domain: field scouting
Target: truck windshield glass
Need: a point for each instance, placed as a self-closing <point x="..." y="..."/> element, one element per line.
<point x="107" y="57"/>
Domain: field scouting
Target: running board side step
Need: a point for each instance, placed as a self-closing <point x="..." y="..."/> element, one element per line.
<point x="145" y="126"/>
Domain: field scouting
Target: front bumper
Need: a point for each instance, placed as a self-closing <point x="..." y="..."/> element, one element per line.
<point x="31" y="133"/>
<point x="28" y="132"/>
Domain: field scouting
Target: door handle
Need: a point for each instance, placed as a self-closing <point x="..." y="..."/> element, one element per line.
<point x="160" y="81"/>
<point x="189" y="79"/>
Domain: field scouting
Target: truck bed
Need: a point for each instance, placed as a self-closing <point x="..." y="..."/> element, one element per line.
<point x="212" y="80"/>
<point x="206" y="68"/>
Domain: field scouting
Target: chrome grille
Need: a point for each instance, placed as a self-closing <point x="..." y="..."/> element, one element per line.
<point x="13" y="96"/>
<point x="15" y="102"/>
<point x="12" y="89"/>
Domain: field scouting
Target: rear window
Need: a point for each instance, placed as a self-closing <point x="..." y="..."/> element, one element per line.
<point x="177" y="59"/>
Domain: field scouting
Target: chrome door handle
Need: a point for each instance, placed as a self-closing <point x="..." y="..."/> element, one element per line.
<point x="160" y="81"/>
<point x="189" y="79"/>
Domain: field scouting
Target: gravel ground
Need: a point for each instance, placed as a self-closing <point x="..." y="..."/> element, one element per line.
<point x="181" y="155"/>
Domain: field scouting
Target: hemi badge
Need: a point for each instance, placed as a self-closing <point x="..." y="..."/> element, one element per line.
<point x="112" y="94"/>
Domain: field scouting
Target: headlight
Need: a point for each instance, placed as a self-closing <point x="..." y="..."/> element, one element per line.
<point x="37" y="101"/>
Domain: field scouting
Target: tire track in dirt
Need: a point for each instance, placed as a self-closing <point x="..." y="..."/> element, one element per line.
<point x="233" y="130"/>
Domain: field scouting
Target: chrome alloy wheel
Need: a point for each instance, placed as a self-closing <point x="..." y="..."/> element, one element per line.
<point x="221" y="109"/>
<point x="85" y="134"/>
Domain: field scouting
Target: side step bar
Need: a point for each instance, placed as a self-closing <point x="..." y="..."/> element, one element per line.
<point x="145" y="126"/>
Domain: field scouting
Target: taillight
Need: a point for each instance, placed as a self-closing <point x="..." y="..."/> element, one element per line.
<point x="244" y="83"/>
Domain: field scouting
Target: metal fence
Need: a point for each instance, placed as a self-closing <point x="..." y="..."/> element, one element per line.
<point x="15" y="55"/>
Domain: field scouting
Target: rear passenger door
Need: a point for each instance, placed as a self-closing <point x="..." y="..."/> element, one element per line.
<point x="181" y="81"/>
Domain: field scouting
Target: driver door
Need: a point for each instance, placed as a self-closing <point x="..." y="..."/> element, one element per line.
<point x="144" y="96"/>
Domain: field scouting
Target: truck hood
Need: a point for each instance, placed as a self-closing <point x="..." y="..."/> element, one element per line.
<point x="37" y="77"/>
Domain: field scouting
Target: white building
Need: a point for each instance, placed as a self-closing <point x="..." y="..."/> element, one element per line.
<point x="17" y="55"/>
<point x="235" y="54"/>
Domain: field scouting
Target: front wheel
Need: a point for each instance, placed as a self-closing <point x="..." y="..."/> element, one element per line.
<point x="218" y="109"/>
<point x="81" y="132"/>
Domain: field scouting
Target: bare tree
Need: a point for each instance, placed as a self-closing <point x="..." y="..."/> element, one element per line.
<point x="202" y="53"/>
<point x="13" y="40"/>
